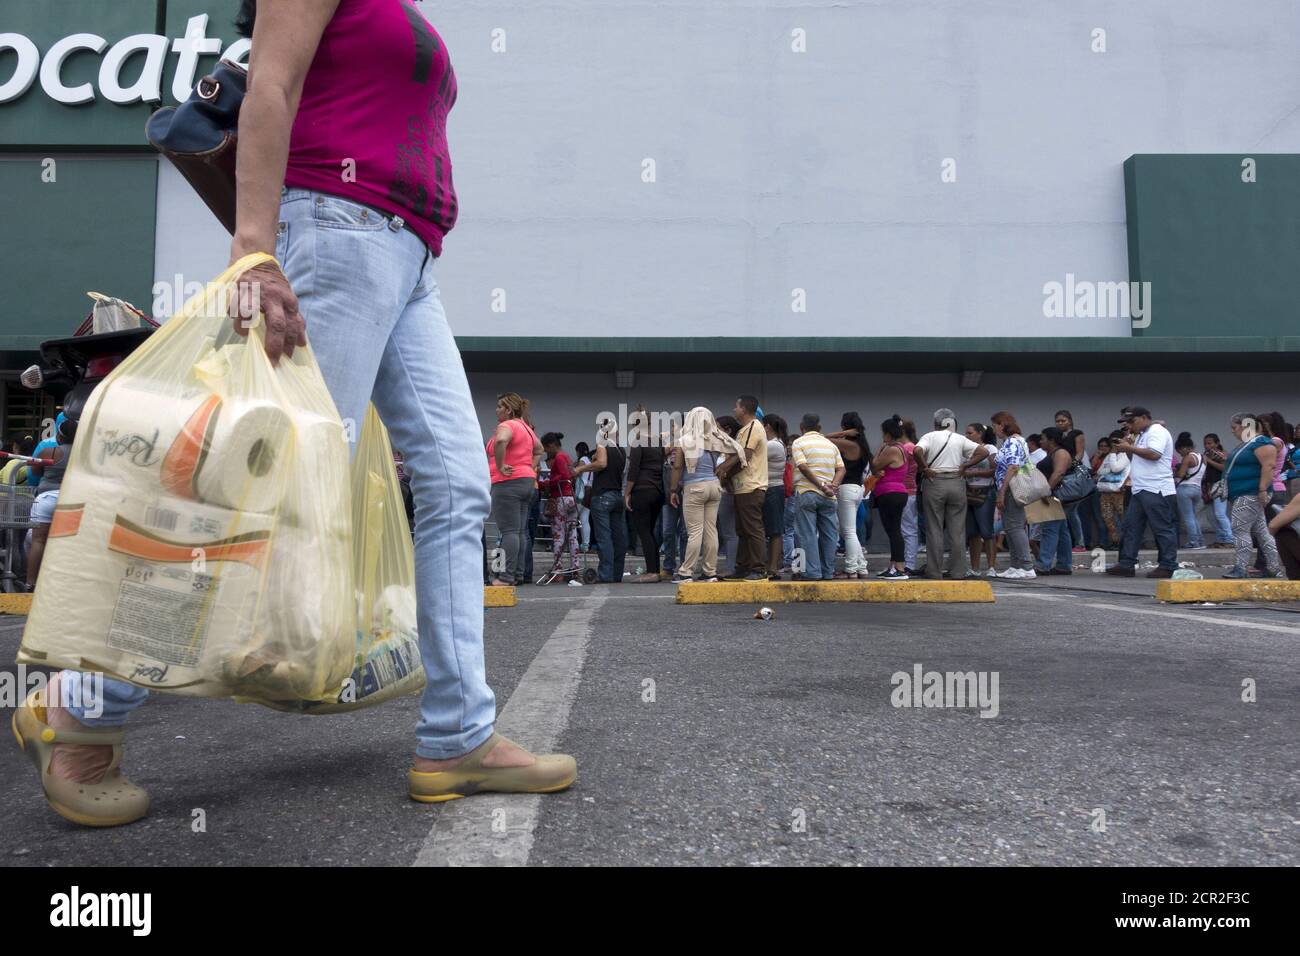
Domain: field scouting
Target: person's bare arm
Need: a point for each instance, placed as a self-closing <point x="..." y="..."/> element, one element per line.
<point x="1284" y="517"/>
<point x="1267" y="455"/>
<point x="285" y="37"/>
<point x="1061" y="461"/>
<point x="500" y="442"/>
<point x="675" y="484"/>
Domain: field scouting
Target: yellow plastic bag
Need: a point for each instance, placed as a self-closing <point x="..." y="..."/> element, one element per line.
<point x="202" y="542"/>
<point x="387" y="662"/>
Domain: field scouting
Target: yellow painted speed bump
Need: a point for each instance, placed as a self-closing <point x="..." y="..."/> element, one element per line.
<point x="1258" y="589"/>
<point x="498" y="597"/>
<point x="15" y="604"/>
<point x="876" y="592"/>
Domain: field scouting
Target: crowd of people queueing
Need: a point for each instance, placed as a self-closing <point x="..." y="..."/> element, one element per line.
<point x="781" y="505"/>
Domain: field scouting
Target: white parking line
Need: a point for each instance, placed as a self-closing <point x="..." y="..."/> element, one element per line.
<point x="497" y="829"/>
<point x="1201" y="618"/>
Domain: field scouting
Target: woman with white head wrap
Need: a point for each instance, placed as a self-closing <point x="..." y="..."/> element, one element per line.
<point x="697" y="491"/>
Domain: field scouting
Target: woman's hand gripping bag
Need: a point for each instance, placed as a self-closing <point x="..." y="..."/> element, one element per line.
<point x="201" y="541"/>
<point x="387" y="661"/>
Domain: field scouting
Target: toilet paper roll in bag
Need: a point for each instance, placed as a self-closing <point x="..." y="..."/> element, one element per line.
<point x="228" y="452"/>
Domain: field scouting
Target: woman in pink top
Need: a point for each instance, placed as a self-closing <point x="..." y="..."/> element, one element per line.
<point x="513" y="456"/>
<point x="891" y="495"/>
<point x="344" y="175"/>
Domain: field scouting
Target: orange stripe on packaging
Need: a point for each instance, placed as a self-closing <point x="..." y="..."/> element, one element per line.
<point x="66" y="520"/>
<point x="129" y="538"/>
<point x="180" y="467"/>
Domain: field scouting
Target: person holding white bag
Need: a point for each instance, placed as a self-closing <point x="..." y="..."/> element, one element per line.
<point x="358" y="257"/>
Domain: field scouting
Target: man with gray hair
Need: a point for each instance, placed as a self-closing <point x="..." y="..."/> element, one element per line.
<point x="942" y="456"/>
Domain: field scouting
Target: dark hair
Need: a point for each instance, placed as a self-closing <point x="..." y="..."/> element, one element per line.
<point x="1184" y="440"/>
<point x="1054" y="435"/>
<point x="1067" y="414"/>
<point x="552" y="438"/>
<point x="909" y="429"/>
<point x="1214" y="436"/>
<point x="582" y="449"/>
<point x="810" y="422"/>
<point x="1036" y="438"/>
<point x="67" y="431"/>
<point x="1008" y="422"/>
<point x="245" y="17"/>
<point x="749" y="403"/>
<point x="1275" y="424"/>
<point x="1117" y="435"/>
<point x="854" y="420"/>
<point x="778" y="426"/>
<point x="26" y="445"/>
<point x="728" y="424"/>
<point x="893" y="427"/>
<point x="1105" y="439"/>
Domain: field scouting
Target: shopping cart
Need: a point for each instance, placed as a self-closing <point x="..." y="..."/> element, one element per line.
<point x="15" y="521"/>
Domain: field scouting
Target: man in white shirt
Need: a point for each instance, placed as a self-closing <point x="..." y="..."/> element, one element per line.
<point x="1155" y="498"/>
<point x="940" y="458"/>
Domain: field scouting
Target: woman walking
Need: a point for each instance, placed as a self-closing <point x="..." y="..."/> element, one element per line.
<point x="513" y="456"/>
<point x="1249" y="478"/>
<point x="561" y="505"/>
<point x="362" y="254"/>
<point x="891" y="495"/>
<point x="854" y="448"/>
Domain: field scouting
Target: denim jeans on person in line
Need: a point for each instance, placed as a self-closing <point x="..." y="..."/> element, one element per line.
<point x="376" y="324"/>
<point x="609" y="529"/>
<point x="787" y="539"/>
<point x="1054" y="544"/>
<point x="1161" y="513"/>
<point x="911" y="532"/>
<point x="1222" y="524"/>
<point x="817" y="528"/>
<point x="1189" y="501"/>
<point x="672" y="532"/>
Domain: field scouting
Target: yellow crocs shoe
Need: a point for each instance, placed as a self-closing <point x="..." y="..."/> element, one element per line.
<point x="111" y="802"/>
<point x="551" y="773"/>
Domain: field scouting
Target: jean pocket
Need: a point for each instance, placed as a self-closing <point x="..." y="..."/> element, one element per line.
<point x="335" y="213"/>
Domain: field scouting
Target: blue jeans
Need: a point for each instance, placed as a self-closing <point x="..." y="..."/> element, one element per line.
<point x="609" y="528"/>
<point x="787" y="539"/>
<point x="1075" y="524"/>
<point x="1147" y="507"/>
<point x="1055" y="543"/>
<point x="377" y="327"/>
<point x="672" y="529"/>
<point x="1189" y="499"/>
<point x="817" y="527"/>
<point x="1222" y="526"/>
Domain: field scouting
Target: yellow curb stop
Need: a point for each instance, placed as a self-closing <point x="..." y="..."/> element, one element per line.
<point x="875" y="592"/>
<point x="498" y="597"/>
<point x="1258" y="589"/>
<point x="15" y="603"/>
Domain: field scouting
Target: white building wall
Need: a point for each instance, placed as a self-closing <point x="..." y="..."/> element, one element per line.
<point x="779" y="170"/>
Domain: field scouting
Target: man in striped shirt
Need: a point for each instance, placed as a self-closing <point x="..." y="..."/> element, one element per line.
<point x="818" y="471"/>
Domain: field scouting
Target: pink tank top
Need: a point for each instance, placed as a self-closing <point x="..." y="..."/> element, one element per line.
<point x="519" y="452"/>
<point x="894" y="480"/>
<point x="372" y="121"/>
<point x="910" y="480"/>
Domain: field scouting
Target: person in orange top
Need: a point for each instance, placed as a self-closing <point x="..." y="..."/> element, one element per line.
<point x="513" y="456"/>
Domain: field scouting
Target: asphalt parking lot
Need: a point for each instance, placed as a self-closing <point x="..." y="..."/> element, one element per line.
<point x="1116" y="733"/>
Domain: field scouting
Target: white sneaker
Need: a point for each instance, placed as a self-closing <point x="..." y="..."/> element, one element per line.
<point x="1027" y="574"/>
<point x="1006" y="573"/>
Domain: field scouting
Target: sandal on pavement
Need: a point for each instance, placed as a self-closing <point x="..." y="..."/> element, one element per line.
<point x="551" y="773"/>
<point x="112" y="802"/>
